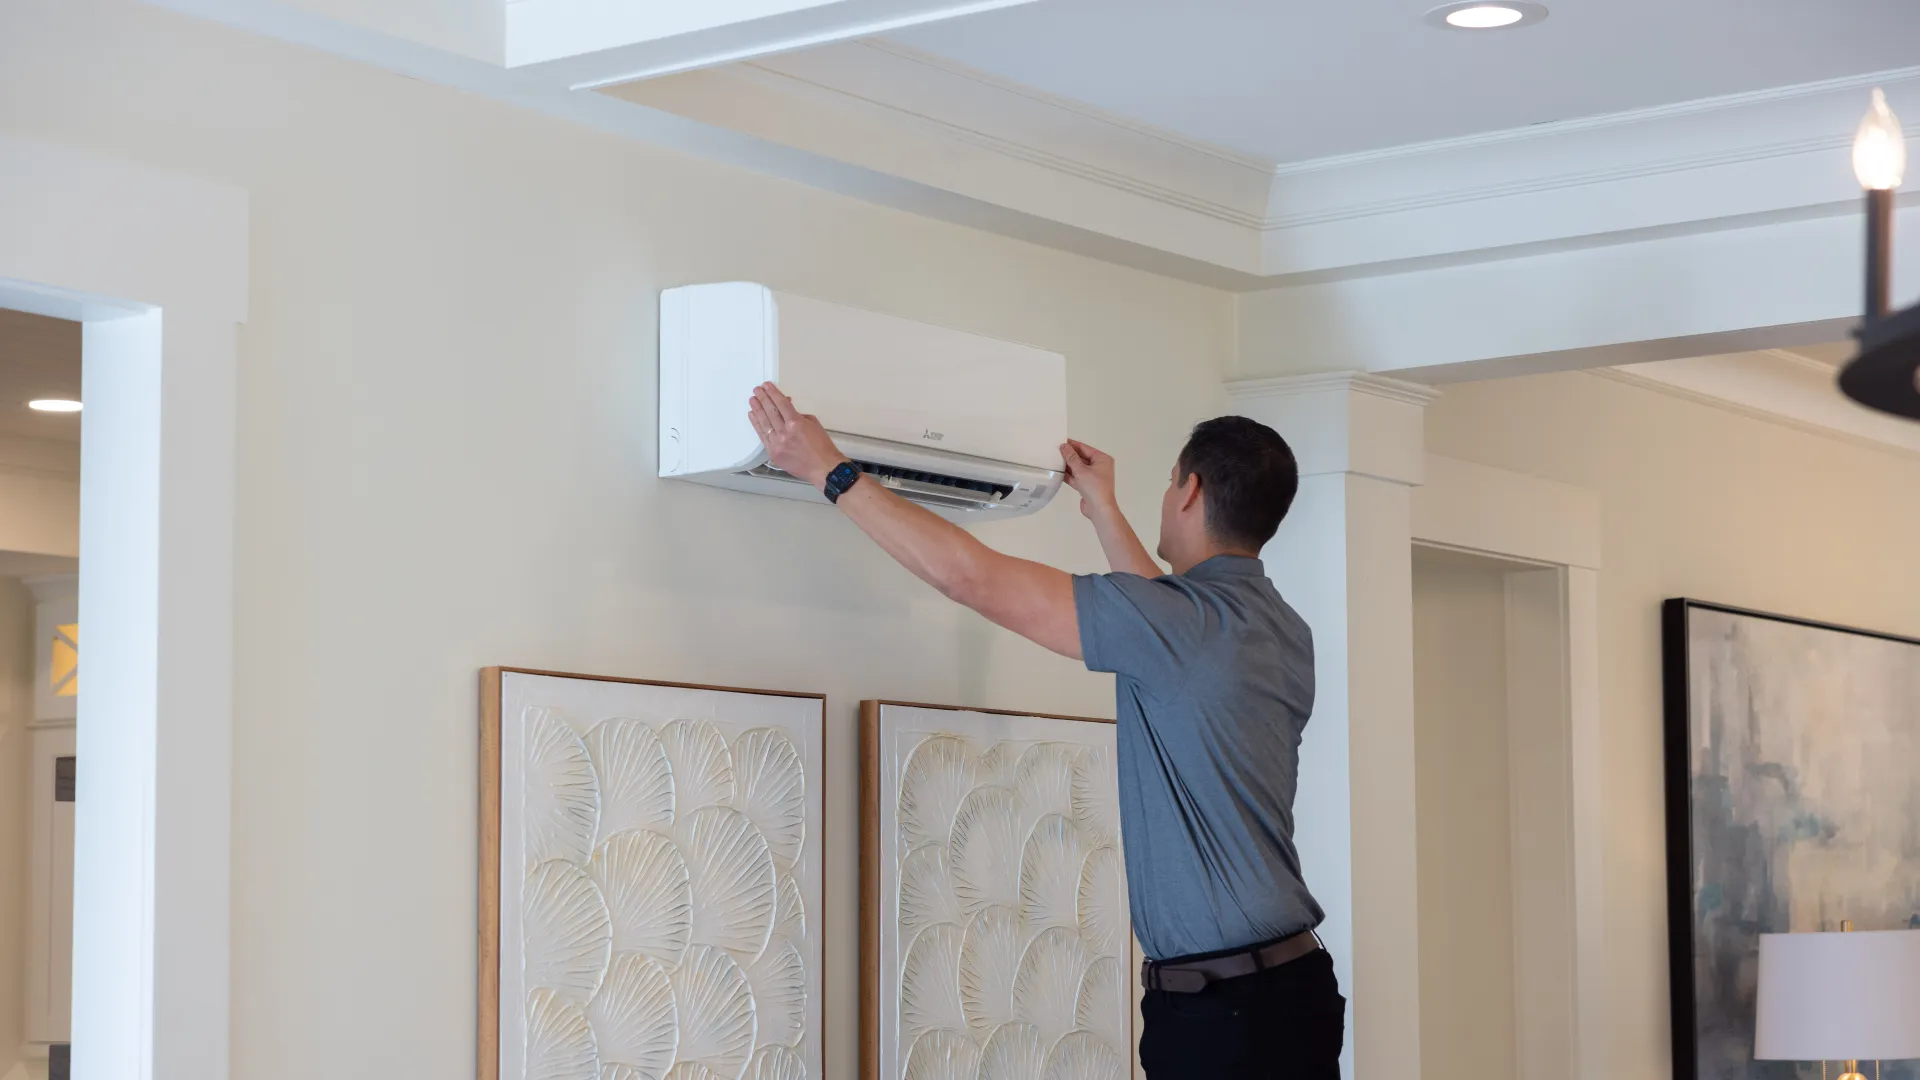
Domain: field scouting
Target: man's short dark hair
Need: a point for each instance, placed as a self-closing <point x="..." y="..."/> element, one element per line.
<point x="1248" y="478"/>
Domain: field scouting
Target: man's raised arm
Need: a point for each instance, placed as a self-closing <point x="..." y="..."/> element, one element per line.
<point x="1028" y="598"/>
<point x="1091" y="474"/>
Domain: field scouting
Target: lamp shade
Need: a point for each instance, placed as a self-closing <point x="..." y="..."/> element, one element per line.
<point x="1839" y="997"/>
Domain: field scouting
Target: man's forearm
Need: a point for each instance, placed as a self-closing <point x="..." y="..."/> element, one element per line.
<point x="934" y="549"/>
<point x="1029" y="598"/>
<point x="1125" y="553"/>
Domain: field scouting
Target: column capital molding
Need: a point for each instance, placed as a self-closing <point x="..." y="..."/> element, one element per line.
<point x="1344" y="422"/>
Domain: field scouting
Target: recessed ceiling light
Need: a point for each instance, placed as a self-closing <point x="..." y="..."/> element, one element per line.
<point x="54" y="405"/>
<point x="1486" y="14"/>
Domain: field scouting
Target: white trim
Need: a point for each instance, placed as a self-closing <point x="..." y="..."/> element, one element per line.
<point x="908" y="86"/>
<point x="592" y="43"/>
<point x="1627" y="117"/>
<point x="782" y="76"/>
<point x="1489" y="511"/>
<point x="1056" y="221"/>
<point x="1806" y="363"/>
<point x="1359" y="382"/>
<point x="1344" y="422"/>
<point x="1560" y="927"/>
<point x="888" y="124"/>
<point x="155" y="264"/>
<point x="1632" y="299"/>
<point x="1799" y="395"/>
<point x="1245" y="162"/>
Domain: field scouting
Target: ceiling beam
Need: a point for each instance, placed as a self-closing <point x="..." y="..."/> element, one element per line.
<point x="1763" y="285"/>
<point x="591" y="43"/>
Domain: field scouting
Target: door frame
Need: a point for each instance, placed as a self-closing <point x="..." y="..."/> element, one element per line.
<point x="154" y="265"/>
<point x="1553" y="676"/>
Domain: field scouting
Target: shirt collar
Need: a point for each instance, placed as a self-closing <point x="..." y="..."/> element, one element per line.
<point x="1221" y="566"/>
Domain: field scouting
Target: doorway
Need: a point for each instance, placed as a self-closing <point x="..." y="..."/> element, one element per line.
<point x="40" y="392"/>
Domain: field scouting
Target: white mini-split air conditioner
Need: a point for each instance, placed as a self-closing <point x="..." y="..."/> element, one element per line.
<point x="965" y="425"/>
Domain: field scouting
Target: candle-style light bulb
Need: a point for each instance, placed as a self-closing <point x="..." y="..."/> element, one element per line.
<point x="1879" y="147"/>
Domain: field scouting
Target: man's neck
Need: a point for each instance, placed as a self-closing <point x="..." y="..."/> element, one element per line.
<point x="1181" y="566"/>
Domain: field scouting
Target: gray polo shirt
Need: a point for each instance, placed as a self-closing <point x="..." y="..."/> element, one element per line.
<point x="1215" y="684"/>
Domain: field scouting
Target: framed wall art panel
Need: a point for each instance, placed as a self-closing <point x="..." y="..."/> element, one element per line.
<point x="650" y="880"/>
<point x="995" y="934"/>
<point x="1793" y="804"/>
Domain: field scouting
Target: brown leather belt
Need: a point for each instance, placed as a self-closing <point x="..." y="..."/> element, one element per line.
<point x="1193" y="976"/>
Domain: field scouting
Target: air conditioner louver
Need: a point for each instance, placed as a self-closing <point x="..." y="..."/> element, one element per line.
<point x="952" y="491"/>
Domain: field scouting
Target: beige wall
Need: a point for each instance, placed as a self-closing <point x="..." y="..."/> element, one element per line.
<point x="1696" y="502"/>
<point x="1460" y="777"/>
<point x="16" y="709"/>
<point x="445" y="443"/>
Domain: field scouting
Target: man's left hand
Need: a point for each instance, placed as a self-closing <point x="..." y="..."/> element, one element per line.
<point x="796" y="443"/>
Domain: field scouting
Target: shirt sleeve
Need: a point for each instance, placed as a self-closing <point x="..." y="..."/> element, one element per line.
<point x="1143" y="628"/>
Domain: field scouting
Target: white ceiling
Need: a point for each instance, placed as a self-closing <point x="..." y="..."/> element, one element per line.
<point x="1291" y="80"/>
<point x="39" y="358"/>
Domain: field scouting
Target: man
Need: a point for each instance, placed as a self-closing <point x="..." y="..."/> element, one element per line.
<point x="1215" y="684"/>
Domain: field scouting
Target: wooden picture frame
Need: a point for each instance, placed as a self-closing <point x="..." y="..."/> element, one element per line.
<point x="1742" y="691"/>
<point x="874" y="907"/>
<point x="493" y="724"/>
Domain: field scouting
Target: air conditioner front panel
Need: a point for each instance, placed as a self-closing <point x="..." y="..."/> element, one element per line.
<point x="902" y="381"/>
<point x="717" y="342"/>
<point x="966" y="425"/>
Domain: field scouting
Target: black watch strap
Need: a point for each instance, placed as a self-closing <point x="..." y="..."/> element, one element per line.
<point x="840" y="479"/>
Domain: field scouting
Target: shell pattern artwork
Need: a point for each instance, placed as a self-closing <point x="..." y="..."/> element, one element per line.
<point x="1013" y="938"/>
<point x="664" y="935"/>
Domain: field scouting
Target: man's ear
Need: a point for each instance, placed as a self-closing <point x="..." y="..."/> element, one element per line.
<point x="1190" y="492"/>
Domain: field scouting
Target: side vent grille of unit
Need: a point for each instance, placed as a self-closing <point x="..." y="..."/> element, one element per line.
<point x="952" y="490"/>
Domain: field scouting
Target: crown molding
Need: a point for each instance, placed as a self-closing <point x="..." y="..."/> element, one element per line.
<point x="883" y="123"/>
<point x="1688" y="165"/>
<point x="1022" y="123"/>
<point x="1357" y="382"/>
<point x="1622" y="118"/>
<point x="1053" y="101"/>
<point x="898" y="113"/>
<point x="1777" y="387"/>
<point x="1805" y="363"/>
<point x="1696" y="166"/>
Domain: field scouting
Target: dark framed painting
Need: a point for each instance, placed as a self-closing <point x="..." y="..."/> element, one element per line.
<point x="1793" y="804"/>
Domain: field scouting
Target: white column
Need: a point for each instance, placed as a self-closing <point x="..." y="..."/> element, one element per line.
<point x="1343" y="559"/>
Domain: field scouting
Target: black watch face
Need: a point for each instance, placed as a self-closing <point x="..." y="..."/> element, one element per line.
<point x="842" y="476"/>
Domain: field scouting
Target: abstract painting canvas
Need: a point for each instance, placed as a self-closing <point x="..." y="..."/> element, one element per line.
<point x="650" y="886"/>
<point x="1793" y="804"/>
<point x="995" y="935"/>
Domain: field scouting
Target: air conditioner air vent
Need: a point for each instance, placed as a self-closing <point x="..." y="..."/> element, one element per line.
<point x="954" y="491"/>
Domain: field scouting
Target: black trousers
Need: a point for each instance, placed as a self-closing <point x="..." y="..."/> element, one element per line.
<point x="1286" y="1023"/>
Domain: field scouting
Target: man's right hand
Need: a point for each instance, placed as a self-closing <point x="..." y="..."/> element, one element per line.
<point x="1090" y="473"/>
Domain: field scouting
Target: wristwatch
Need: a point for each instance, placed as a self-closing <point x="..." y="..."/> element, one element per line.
<point x="840" y="479"/>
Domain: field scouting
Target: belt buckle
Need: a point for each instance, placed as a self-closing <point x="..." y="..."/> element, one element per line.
<point x="1174" y="980"/>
